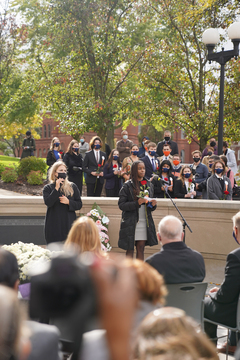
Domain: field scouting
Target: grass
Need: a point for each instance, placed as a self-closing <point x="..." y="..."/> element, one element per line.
<point x="9" y="161"/>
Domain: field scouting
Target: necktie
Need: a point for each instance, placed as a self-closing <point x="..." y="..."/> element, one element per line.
<point x="153" y="165"/>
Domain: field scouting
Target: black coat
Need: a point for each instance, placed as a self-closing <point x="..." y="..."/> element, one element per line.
<point x="178" y="263"/>
<point x="74" y="175"/>
<point x="221" y="306"/>
<point x="130" y="216"/>
<point x="173" y="145"/>
<point x="30" y="142"/>
<point x="59" y="217"/>
<point x="149" y="168"/>
<point x="180" y="189"/>
<point x="51" y="158"/>
<point x="90" y="165"/>
<point x="157" y="184"/>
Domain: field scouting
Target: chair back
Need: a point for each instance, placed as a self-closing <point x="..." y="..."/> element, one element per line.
<point x="188" y="297"/>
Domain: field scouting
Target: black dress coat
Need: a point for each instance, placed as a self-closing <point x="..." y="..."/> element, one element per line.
<point x="90" y="165"/>
<point x="221" y="306"/>
<point x="180" y="189"/>
<point x="130" y="216"/>
<point x="157" y="184"/>
<point x="59" y="217"/>
<point x="173" y="145"/>
<point x="74" y="163"/>
<point x="148" y="166"/>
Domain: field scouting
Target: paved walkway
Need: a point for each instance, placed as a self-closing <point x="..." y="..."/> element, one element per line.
<point x="4" y="193"/>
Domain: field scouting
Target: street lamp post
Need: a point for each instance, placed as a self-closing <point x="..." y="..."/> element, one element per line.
<point x="210" y="38"/>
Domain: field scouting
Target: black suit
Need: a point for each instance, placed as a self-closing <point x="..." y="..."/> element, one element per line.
<point x="148" y="166"/>
<point x="178" y="263"/>
<point x="90" y="165"/>
<point x="221" y="306"/>
<point x="173" y="145"/>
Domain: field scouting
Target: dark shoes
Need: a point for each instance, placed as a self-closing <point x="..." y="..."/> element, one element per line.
<point x="223" y="349"/>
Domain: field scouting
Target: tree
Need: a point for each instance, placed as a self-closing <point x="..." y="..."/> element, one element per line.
<point x="179" y="86"/>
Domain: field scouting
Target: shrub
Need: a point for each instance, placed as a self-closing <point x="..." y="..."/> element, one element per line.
<point x="2" y="168"/>
<point x="31" y="163"/>
<point x="9" y="175"/>
<point x="35" y="177"/>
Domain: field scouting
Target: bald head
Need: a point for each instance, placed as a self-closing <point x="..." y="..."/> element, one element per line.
<point x="170" y="229"/>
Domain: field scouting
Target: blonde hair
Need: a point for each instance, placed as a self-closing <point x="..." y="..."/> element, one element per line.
<point x="181" y="176"/>
<point x="150" y="283"/>
<point x="66" y="187"/>
<point x="53" y="141"/>
<point x="168" y="334"/>
<point x="84" y="233"/>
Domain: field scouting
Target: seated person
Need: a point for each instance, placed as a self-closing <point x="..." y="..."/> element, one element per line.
<point x="151" y="162"/>
<point x="166" y="153"/>
<point x="218" y="185"/>
<point x="165" y="180"/>
<point x="176" y="167"/>
<point x="185" y="186"/>
<point x="44" y="338"/>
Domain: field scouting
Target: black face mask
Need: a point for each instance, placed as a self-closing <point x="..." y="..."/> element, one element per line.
<point x="212" y="143"/>
<point x="209" y="153"/>
<point x="166" y="138"/>
<point x="196" y="159"/>
<point x="62" y="175"/>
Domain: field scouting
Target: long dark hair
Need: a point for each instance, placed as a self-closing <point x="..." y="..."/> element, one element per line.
<point x="110" y="159"/>
<point x="134" y="177"/>
<point x="70" y="146"/>
<point x="165" y="162"/>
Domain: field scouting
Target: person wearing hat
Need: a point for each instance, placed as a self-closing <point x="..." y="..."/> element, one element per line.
<point x="28" y="145"/>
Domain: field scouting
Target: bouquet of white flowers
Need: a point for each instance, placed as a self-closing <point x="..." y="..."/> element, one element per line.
<point x="102" y="222"/>
<point x="27" y="255"/>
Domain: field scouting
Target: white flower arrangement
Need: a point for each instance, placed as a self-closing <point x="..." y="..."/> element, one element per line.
<point x="102" y="222"/>
<point x="27" y="255"/>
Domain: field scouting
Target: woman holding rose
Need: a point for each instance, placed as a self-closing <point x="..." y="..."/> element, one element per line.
<point x="185" y="186"/>
<point x="112" y="174"/>
<point x="137" y="226"/>
<point x="218" y="185"/>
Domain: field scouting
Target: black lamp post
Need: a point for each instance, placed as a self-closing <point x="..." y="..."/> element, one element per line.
<point x="211" y="38"/>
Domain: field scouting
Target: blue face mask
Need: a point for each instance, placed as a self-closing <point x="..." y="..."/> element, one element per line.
<point x="218" y="171"/>
<point x="56" y="144"/>
<point x="234" y="236"/>
<point x="97" y="146"/>
<point x="75" y="149"/>
<point x="115" y="157"/>
<point x="82" y="140"/>
<point x="125" y="137"/>
<point x="210" y="165"/>
<point x="165" y="169"/>
<point x="135" y="152"/>
<point x="187" y="175"/>
<point x="152" y="152"/>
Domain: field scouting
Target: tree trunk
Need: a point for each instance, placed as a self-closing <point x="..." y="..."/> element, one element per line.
<point x="110" y="138"/>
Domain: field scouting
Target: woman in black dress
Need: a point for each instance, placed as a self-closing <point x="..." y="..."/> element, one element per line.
<point x="137" y="226"/>
<point x="112" y="174"/>
<point x="165" y="180"/>
<point x="74" y="161"/>
<point x="62" y="199"/>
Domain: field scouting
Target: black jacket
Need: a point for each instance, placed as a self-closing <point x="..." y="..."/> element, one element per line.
<point x="180" y="189"/>
<point x="178" y="263"/>
<point x="59" y="217"/>
<point x="157" y="183"/>
<point x="30" y="143"/>
<point x="149" y="168"/>
<point x="51" y="158"/>
<point x="90" y="165"/>
<point x="173" y="145"/>
<point x="130" y="216"/>
<point x="74" y="165"/>
<point x="221" y="306"/>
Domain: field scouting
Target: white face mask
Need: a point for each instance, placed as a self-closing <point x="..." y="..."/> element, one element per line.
<point x="125" y="137"/>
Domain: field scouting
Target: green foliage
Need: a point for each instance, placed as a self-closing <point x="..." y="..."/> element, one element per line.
<point x="9" y="175"/>
<point x="35" y="177"/>
<point x="31" y="163"/>
<point x="2" y="168"/>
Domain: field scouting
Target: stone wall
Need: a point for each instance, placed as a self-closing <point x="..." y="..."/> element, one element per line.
<point x="22" y="219"/>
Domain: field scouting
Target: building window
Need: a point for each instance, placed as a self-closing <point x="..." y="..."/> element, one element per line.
<point x="238" y="154"/>
<point x="40" y="153"/>
<point x="44" y="151"/>
<point x="140" y="122"/>
<point x="49" y="130"/>
<point x="182" y="134"/>
<point x="44" y="131"/>
<point x="183" y="155"/>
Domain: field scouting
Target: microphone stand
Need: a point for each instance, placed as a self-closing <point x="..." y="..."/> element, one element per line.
<point x="183" y="219"/>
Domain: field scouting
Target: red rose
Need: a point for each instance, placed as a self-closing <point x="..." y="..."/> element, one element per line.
<point x="115" y="166"/>
<point x="190" y="180"/>
<point x="143" y="182"/>
<point x="166" y="179"/>
<point x="226" y="192"/>
<point x="99" y="165"/>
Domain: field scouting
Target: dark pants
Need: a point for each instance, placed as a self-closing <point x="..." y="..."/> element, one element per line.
<point x="91" y="188"/>
<point x="112" y="192"/>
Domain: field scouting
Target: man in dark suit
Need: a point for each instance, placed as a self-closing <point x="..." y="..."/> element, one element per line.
<point x="167" y="140"/>
<point x="221" y="305"/>
<point x="176" y="262"/>
<point x="93" y="166"/>
<point x="152" y="164"/>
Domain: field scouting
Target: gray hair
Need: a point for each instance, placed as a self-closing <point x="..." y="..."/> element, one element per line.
<point x="170" y="228"/>
<point x="167" y="131"/>
<point x="236" y="220"/>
